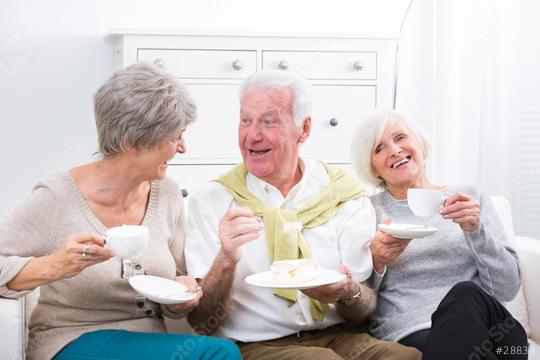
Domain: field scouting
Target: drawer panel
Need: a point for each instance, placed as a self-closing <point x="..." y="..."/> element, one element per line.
<point x="338" y="111"/>
<point x="325" y="65"/>
<point x="214" y="134"/>
<point x="191" y="178"/>
<point x="203" y="64"/>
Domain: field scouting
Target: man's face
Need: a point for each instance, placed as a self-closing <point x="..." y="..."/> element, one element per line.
<point x="269" y="138"/>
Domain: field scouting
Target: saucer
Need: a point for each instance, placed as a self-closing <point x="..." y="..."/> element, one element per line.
<point x="161" y="290"/>
<point x="408" y="231"/>
<point x="324" y="277"/>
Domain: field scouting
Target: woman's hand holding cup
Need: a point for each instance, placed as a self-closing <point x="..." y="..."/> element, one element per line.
<point x="78" y="252"/>
<point x="462" y="209"/>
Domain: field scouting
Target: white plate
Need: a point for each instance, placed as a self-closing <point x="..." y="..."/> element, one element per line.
<point x="325" y="277"/>
<point x="161" y="290"/>
<point x="408" y="231"/>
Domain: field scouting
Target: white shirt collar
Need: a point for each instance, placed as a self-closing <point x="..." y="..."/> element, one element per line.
<point x="313" y="176"/>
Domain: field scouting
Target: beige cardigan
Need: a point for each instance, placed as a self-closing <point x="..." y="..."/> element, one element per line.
<point x="97" y="298"/>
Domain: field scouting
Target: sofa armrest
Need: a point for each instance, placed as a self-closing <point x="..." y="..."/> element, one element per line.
<point x="12" y="328"/>
<point x="528" y="250"/>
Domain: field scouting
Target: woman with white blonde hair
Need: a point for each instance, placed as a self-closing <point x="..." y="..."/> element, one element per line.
<point x="86" y="309"/>
<point x="440" y="293"/>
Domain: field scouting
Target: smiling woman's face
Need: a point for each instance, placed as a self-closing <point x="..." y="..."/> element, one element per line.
<point x="153" y="160"/>
<point x="398" y="158"/>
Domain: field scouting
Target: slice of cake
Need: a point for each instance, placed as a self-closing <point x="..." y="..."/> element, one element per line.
<point x="293" y="272"/>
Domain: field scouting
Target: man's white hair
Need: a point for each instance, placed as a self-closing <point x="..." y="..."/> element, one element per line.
<point x="300" y="89"/>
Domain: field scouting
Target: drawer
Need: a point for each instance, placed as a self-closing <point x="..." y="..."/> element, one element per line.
<point x="203" y="64"/>
<point x="214" y="134"/>
<point x="324" y="65"/>
<point x="339" y="110"/>
<point x="191" y="178"/>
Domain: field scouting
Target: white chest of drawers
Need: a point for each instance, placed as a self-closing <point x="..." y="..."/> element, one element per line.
<point x="351" y="76"/>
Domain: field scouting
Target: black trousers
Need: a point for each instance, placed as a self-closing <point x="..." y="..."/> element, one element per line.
<point x="469" y="324"/>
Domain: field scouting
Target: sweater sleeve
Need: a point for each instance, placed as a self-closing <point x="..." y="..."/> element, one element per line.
<point x="375" y="280"/>
<point x="493" y="253"/>
<point x="177" y="243"/>
<point x="28" y="232"/>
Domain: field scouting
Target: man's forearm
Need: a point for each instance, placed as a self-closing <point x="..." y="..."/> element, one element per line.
<point x="214" y="305"/>
<point x="361" y="308"/>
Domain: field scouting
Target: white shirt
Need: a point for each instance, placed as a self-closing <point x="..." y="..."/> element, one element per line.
<point x="256" y="314"/>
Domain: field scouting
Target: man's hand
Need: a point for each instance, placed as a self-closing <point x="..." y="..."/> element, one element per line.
<point x="386" y="248"/>
<point x="237" y="227"/>
<point x="331" y="293"/>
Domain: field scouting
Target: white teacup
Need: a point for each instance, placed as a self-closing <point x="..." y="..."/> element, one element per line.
<point x="128" y="241"/>
<point x="424" y="202"/>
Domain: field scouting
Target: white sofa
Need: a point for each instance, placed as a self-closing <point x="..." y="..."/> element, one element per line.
<point x="14" y="313"/>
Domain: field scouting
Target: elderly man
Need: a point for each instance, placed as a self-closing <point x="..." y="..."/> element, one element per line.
<point x="276" y="206"/>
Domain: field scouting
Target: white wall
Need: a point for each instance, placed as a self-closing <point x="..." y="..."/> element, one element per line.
<point x="53" y="57"/>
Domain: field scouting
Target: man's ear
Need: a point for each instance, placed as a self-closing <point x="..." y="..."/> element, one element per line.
<point x="306" y="129"/>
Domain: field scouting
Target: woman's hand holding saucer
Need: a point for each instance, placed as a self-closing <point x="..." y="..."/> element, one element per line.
<point x="385" y="248"/>
<point x="192" y="286"/>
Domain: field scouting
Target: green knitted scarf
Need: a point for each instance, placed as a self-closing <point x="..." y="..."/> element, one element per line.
<point x="282" y="226"/>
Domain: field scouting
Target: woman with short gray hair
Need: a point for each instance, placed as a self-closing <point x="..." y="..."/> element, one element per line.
<point x="440" y="293"/>
<point x="87" y="309"/>
<point x="140" y="106"/>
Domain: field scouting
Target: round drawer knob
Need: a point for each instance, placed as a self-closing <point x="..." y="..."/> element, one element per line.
<point x="159" y="62"/>
<point x="358" y="65"/>
<point x="184" y="192"/>
<point x="283" y="65"/>
<point x="333" y="122"/>
<point x="237" y="64"/>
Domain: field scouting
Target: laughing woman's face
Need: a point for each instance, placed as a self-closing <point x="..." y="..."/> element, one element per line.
<point x="398" y="157"/>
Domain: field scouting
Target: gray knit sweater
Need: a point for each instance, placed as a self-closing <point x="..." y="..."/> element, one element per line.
<point x="412" y="287"/>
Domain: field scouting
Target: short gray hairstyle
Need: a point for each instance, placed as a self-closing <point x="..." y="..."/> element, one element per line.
<point x="300" y="89"/>
<point x="139" y="106"/>
<point x="369" y="134"/>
